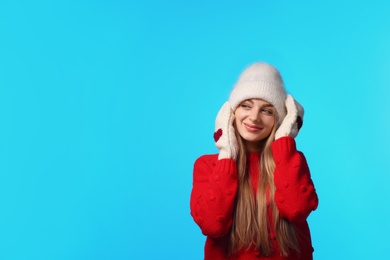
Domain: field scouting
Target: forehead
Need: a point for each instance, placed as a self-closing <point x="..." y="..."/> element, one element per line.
<point x="259" y="102"/>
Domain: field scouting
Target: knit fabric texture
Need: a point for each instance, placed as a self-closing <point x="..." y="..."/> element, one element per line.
<point x="214" y="192"/>
<point x="263" y="81"/>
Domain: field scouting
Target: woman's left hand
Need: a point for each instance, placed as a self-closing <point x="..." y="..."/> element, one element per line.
<point x="293" y="121"/>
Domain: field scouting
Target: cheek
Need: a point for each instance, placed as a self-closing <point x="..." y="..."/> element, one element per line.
<point x="268" y="120"/>
<point x="235" y="120"/>
<point x="237" y="116"/>
<point x="272" y="121"/>
<point x="238" y="125"/>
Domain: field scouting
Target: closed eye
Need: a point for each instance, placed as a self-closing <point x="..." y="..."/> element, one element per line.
<point x="245" y="106"/>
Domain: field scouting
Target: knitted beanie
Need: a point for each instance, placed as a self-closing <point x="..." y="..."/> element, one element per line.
<point x="263" y="81"/>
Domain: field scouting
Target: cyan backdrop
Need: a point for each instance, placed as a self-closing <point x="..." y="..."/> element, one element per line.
<point x="105" y="105"/>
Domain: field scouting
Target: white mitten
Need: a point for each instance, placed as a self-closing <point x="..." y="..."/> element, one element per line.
<point x="293" y="121"/>
<point x="224" y="136"/>
<point x="298" y="122"/>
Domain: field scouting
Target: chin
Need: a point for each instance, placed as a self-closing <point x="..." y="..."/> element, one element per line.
<point x="252" y="139"/>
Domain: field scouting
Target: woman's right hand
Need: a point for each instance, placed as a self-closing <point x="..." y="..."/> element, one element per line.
<point x="224" y="136"/>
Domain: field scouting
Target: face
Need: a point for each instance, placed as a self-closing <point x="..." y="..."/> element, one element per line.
<point x="254" y="120"/>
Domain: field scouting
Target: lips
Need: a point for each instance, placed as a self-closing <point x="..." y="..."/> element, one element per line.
<point x="252" y="128"/>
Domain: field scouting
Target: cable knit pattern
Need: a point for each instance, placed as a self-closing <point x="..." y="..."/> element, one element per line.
<point x="214" y="191"/>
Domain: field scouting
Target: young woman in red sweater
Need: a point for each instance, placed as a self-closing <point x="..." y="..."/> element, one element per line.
<point x="253" y="198"/>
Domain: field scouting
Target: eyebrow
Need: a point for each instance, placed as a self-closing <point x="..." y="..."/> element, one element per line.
<point x="264" y="105"/>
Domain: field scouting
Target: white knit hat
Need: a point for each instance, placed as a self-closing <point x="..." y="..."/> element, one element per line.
<point x="260" y="80"/>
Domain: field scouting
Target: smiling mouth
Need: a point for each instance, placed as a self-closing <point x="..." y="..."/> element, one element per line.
<point x="252" y="128"/>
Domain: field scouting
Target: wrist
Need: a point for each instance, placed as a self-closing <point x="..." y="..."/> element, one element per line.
<point x="283" y="148"/>
<point x="227" y="153"/>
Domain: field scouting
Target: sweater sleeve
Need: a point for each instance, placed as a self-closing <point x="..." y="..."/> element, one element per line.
<point x="213" y="194"/>
<point x="295" y="195"/>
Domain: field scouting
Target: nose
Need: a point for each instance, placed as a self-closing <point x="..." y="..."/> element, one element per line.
<point x="254" y="115"/>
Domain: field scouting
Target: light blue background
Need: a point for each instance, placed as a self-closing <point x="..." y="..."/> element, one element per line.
<point x="105" y="105"/>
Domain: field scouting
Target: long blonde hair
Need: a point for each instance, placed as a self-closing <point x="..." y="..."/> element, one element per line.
<point x="250" y="220"/>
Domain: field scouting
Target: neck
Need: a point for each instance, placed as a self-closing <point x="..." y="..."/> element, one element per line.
<point x="254" y="146"/>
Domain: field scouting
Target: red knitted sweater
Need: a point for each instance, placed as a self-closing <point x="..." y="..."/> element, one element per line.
<point x="215" y="187"/>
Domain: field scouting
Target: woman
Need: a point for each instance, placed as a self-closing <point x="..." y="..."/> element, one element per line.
<point x="253" y="198"/>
